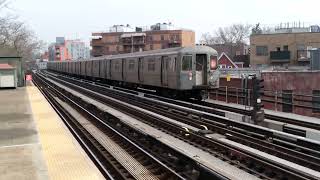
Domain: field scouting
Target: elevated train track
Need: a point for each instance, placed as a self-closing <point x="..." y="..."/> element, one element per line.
<point x="204" y="112"/>
<point x="235" y="131"/>
<point x="217" y="109"/>
<point x="110" y="166"/>
<point x="184" y="166"/>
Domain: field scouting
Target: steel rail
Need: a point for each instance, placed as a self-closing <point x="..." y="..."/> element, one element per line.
<point x="204" y="142"/>
<point x="118" y="171"/>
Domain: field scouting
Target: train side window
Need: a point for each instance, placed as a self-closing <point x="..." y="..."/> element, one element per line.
<point x="131" y="65"/>
<point x="151" y="65"/>
<point x="187" y="63"/>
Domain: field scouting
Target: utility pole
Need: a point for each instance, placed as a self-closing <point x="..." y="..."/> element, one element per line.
<point x="257" y="90"/>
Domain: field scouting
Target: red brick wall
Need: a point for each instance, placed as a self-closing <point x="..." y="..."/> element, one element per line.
<point x="301" y="83"/>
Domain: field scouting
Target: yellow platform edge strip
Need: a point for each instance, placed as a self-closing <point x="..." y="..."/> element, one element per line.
<point x="63" y="155"/>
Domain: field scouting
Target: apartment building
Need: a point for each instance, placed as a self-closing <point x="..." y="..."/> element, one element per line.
<point x="77" y="49"/>
<point x="284" y="46"/>
<point x="124" y="39"/>
<point x="68" y="50"/>
<point x="58" y="52"/>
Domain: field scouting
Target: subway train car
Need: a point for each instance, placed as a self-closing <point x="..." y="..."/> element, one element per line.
<point x="187" y="72"/>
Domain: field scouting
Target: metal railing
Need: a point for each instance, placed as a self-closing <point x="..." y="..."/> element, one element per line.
<point x="280" y="56"/>
<point x="273" y="100"/>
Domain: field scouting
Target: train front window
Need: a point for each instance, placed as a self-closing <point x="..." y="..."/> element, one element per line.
<point x="187" y="63"/>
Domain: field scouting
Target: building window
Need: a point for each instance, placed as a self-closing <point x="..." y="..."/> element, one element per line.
<point x="300" y="47"/>
<point x="117" y="48"/>
<point x="131" y="65"/>
<point x="151" y="65"/>
<point x="162" y="37"/>
<point x="287" y="101"/>
<point x="286" y="48"/>
<point x="107" y="49"/>
<point x="262" y="50"/>
<point x="164" y="46"/>
<point x="222" y="66"/>
<point x="174" y="37"/>
<point x="316" y="101"/>
<point x="151" y="47"/>
<point x="149" y="38"/>
<point x="187" y="63"/>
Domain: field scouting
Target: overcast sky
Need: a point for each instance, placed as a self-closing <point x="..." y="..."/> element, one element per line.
<point x="79" y="18"/>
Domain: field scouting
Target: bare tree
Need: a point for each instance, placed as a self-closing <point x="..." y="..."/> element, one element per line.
<point x="236" y="33"/>
<point x="15" y="34"/>
<point x="3" y="4"/>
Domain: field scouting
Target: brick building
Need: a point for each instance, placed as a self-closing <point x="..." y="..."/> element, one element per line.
<point x="123" y="39"/>
<point x="58" y="52"/>
<point x="284" y="46"/>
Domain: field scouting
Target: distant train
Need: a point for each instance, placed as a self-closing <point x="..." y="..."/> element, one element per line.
<point x="187" y="72"/>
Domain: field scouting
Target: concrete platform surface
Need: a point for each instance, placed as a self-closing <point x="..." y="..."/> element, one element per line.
<point x="20" y="150"/>
<point x="34" y="142"/>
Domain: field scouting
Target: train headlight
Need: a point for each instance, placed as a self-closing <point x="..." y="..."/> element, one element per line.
<point x="258" y="100"/>
<point x="190" y="76"/>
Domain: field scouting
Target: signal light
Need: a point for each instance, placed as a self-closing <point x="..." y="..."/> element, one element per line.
<point x="261" y="85"/>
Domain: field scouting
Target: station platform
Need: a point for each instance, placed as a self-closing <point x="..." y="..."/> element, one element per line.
<point x="34" y="142"/>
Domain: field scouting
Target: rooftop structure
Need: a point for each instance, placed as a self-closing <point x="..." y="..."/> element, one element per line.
<point x="125" y="39"/>
<point x="294" y="27"/>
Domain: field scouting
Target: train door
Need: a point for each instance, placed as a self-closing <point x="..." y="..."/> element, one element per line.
<point x="123" y="69"/>
<point x="110" y="67"/>
<point x="201" y="69"/>
<point x="164" y="70"/>
<point x="140" y="69"/>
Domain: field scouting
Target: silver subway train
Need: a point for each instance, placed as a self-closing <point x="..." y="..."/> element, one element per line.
<point x="187" y="72"/>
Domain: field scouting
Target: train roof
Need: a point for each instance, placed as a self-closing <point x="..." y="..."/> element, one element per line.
<point x="168" y="51"/>
<point x="176" y="50"/>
